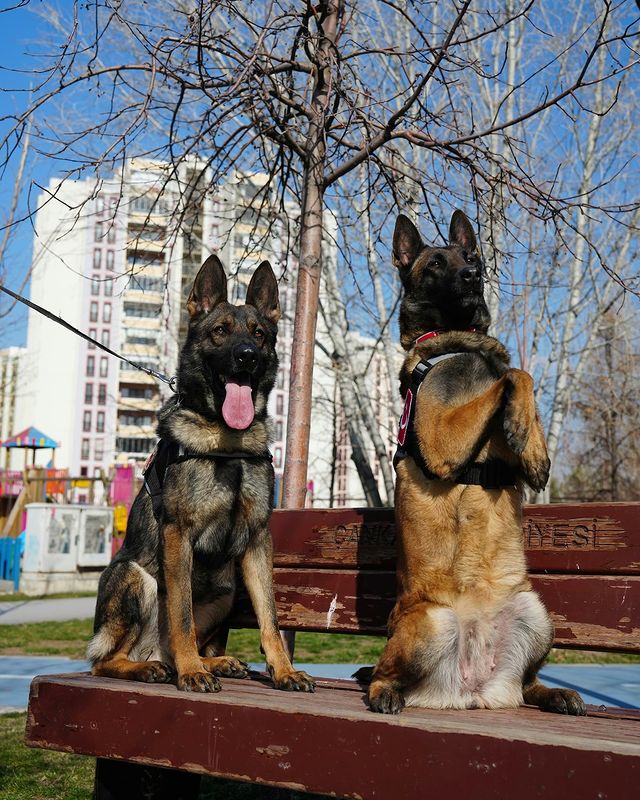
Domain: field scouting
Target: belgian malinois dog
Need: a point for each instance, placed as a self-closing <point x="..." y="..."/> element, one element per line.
<point x="467" y="630"/>
<point x="204" y="507"/>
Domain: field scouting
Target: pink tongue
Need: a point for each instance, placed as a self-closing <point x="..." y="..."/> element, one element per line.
<point x="237" y="408"/>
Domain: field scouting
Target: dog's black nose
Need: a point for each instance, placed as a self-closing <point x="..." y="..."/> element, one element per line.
<point x="470" y="275"/>
<point x="246" y="357"/>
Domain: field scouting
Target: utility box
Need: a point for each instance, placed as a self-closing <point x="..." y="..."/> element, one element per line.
<point x="66" y="547"/>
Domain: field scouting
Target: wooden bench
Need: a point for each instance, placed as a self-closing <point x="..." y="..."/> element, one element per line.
<point x="334" y="572"/>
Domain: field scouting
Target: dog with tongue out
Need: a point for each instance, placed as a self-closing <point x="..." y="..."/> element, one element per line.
<point x="204" y="508"/>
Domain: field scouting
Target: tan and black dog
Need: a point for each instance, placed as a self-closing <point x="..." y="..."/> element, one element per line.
<point x="205" y="506"/>
<point x="467" y="630"/>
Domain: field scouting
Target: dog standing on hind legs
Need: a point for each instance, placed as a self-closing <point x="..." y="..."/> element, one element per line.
<point x="467" y="630"/>
<point x="205" y="506"/>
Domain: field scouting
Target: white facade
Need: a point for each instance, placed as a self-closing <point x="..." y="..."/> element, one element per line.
<point x="121" y="269"/>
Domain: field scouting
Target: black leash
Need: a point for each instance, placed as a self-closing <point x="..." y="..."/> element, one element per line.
<point x="170" y="381"/>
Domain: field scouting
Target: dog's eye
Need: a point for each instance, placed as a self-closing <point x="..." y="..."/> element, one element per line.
<point x="436" y="261"/>
<point x="469" y="258"/>
<point x="259" y="334"/>
<point x="219" y="330"/>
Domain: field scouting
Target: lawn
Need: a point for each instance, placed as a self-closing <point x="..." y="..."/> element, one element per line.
<point x="70" y="639"/>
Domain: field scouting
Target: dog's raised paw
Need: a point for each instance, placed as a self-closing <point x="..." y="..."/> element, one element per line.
<point x="296" y="681"/>
<point x="385" y="699"/>
<point x="199" y="681"/>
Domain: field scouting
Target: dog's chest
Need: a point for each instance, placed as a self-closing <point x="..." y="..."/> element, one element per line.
<point x="232" y="505"/>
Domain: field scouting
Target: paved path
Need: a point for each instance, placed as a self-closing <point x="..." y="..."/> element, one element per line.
<point x="15" y="613"/>
<point x="609" y="685"/>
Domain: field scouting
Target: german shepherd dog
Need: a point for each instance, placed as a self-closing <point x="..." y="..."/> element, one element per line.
<point x="467" y="630"/>
<point x="162" y="600"/>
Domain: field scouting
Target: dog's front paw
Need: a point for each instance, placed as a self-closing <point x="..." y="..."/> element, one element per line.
<point x="198" y="681"/>
<point x="536" y="471"/>
<point x="156" y="672"/>
<point x="563" y="701"/>
<point x="226" y="666"/>
<point x="295" y="681"/>
<point x="385" y="699"/>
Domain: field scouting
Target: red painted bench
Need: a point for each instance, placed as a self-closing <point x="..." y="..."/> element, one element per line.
<point x="334" y="572"/>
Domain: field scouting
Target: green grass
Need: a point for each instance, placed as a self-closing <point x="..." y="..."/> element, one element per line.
<point x="27" y="774"/>
<point x="70" y="639"/>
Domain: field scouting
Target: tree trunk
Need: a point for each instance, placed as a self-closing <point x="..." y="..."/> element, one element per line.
<point x="311" y="228"/>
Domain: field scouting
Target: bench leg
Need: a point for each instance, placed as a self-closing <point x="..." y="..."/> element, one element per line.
<point x="120" y="780"/>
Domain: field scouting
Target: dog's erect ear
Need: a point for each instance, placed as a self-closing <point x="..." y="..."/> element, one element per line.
<point x="406" y="243"/>
<point x="209" y="287"/>
<point x="461" y="232"/>
<point x="263" y="292"/>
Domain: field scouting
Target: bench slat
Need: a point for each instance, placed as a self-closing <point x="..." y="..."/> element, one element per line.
<point x="589" y="612"/>
<point x="330" y="743"/>
<point x="587" y="538"/>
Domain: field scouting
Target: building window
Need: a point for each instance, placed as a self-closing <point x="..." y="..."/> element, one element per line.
<point x="91" y="366"/>
<point x="127" y="445"/>
<point x="145" y="392"/>
<point x="278" y="430"/>
<point x="135" y="419"/>
<point x="141" y="310"/>
<point x="95" y="286"/>
<point x="84" y="471"/>
<point x="92" y="334"/>
<point x="99" y="450"/>
<point x="277" y="458"/>
<point x="106" y="312"/>
<point x="110" y="260"/>
<point x="100" y="422"/>
<point x="280" y="379"/>
<point x="88" y="393"/>
<point x="279" y="404"/>
<point x="108" y="288"/>
<point x="104" y="367"/>
<point x="99" y="204"/>
<point x="98" y="232"/>
<point x="111" y="234"/>
<point x="86" y="421"/>
<point x="93" y="312"/>
<point x="97" y="258"/>
<point x="105" y="338"/>
<point x="102" y="394"/>
<point x="84" y="450"/>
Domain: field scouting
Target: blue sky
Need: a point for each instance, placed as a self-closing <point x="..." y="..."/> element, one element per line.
<point x="20" y="30"/>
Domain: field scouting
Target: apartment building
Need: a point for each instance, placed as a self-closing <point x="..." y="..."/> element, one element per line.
<point x="117" y="259"/>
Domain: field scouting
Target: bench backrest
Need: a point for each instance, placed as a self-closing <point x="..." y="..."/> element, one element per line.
<point x="334" y="570"/>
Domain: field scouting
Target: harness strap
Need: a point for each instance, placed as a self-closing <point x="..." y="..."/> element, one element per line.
<point x="491" y="474"/>
<point x="169" y="452"/>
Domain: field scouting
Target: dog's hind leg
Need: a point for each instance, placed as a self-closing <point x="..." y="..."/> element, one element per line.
<point x="126" y="626"/>
<point x="257" y="572"/>
<point x="419" y="665"/>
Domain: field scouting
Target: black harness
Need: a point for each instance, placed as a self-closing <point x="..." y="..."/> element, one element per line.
<point x="170" y="452"/>
<point x="491" y="474"/>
